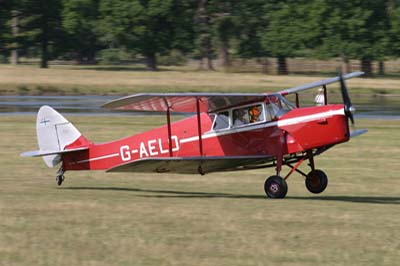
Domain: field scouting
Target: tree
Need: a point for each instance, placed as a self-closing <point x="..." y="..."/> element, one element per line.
<point x="204" y="35"/>
<point x="5" y="31"/>
<point x="148" y="27"/>
<point x="40" y="28"/>
<point x="394" y="32"/>
<point x="79" y="22"/>
<point x="251" y="21"/>
<point x="14" y="33"/>
<point x="225" y="29"/>
<point x="356" y="29"/>
<point x="287" y="31"/>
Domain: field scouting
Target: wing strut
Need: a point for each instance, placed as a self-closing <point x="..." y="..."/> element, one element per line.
<point x="169" y="128"/>
<point x="199" y="125"/>
<point x="325" y="95"/>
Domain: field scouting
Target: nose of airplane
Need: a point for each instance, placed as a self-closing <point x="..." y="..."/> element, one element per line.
<point x="314" y="127"/>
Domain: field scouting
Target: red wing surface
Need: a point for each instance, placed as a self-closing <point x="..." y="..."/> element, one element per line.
<point x="183" y="102"/>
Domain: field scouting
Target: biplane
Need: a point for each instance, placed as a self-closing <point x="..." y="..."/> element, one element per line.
<point x="226" y="132"/>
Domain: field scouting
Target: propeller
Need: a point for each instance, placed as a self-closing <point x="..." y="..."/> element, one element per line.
<point x="348" y="107"/>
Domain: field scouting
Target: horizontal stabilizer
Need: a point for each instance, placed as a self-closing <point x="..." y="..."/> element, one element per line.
<point x="357" y="132"/>
<point x="192" y="165"/>
<point x="46" y="153"/>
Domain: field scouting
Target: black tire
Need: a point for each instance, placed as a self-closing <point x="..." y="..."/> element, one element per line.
<point x="316" y="181"/>
<point x="59" y="180"/>
<point x="275" y="187"/>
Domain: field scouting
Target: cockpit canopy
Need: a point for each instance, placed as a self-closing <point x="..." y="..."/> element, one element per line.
<point x="271" y="109"/>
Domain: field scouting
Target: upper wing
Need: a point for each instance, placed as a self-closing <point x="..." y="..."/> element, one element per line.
<point x="319" y="83"/>
<point x="191" y="165"/>
<point x="183" y="102"/>
<point x="208" y="102"/>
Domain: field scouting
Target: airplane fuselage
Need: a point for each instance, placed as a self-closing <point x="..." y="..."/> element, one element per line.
<point x="299" y="130"/>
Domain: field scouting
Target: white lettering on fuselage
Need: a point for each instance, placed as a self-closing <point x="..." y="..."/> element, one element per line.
<point x="148" y="148"/>
<point x="125" y="153"/>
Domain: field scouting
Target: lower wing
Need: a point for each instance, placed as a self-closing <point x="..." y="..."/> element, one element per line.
<point x="192" y="165"/>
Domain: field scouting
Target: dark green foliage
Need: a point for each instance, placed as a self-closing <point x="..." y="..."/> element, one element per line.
<point x="147" y="27"/>
<point x="250" y="18"/>
<point x="287" y="31"/>
<point x="354" y="29"/>
<point x="82" y="30"/>
<point x="5" y="32"/>
<point x="41" y="30"/>
<point x="80" y="22"/>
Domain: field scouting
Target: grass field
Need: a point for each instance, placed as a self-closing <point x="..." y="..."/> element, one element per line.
<point x="58" y="80"/>
<point x="216" y="219"/>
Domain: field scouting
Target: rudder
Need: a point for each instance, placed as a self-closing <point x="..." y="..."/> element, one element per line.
<point x="55" y="133"/>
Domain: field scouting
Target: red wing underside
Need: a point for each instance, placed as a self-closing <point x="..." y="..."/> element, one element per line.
<point x="183" y="102"/>
<point x="192" y="165"/>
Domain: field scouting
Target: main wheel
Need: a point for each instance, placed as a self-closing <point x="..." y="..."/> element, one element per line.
<point x="316" y="181"/>
<point x="275" y="187"/>
<point x="60" y="179"/>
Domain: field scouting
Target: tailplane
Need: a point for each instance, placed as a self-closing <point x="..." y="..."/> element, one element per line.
<point x="55" y="136"/>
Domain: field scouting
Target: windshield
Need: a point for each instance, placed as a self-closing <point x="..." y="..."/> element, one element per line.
<point x="278" y="106"/>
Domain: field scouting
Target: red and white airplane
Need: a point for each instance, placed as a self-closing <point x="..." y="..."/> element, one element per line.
<point x="229" y="131"/>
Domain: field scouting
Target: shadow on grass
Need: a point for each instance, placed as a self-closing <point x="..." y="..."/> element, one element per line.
<point x="192" y="194"/>
<point x="169" y="193"/>
<point x="354" y="199"/>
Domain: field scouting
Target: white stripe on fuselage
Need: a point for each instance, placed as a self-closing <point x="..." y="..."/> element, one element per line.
<point x="99" y="158"/>
<point x="280" y="123"/>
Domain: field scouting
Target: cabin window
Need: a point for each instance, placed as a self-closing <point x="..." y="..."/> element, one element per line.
<point x="248" y="115"/>
<point x="221" y="120"/>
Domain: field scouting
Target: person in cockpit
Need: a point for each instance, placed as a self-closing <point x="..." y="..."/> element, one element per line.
<point x="254" y="114"/>
<point x="238" y="117"/>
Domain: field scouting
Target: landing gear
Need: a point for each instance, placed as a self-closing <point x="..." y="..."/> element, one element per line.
<point x="275" y="187"/>
<point x="316" y="181"/>
<point x="60" y="176"/>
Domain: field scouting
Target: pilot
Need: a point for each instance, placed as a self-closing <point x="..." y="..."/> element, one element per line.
<point x="254" y="114"/>
<point x="238" y="117"/>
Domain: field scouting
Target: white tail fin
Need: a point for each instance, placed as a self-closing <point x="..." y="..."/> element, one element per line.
<point x="54" y="134"/>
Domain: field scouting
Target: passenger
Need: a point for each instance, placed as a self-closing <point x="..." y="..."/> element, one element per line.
<point x="254" y="114"/>
<point x="238" y="118"/>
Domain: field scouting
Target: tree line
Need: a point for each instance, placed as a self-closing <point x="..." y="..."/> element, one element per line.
<point x="84" y="30"/>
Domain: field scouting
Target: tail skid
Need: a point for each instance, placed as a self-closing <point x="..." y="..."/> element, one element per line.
<point x="55" y="136"/>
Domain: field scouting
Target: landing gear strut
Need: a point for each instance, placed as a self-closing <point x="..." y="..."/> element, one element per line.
<point x="60" y="176"/>
<point x="275" y="186"/>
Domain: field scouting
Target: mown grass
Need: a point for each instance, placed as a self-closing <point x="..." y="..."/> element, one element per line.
<point x="60" y="80"/>
<point x="216" y="219"/>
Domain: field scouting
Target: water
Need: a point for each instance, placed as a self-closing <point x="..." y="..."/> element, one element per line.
<point x="88" y="104"/>
<point x="378" y="106"/>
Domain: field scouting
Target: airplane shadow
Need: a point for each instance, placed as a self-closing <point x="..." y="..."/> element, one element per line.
<point x="169" y="193"/>
<point x="353" y="199"/>
<point x="191" y="194"/>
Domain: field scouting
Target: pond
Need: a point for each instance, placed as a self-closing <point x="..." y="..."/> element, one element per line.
<point x="383" y="106"/>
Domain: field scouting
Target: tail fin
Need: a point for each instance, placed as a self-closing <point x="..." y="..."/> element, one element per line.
<point x="55" y="135"/>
